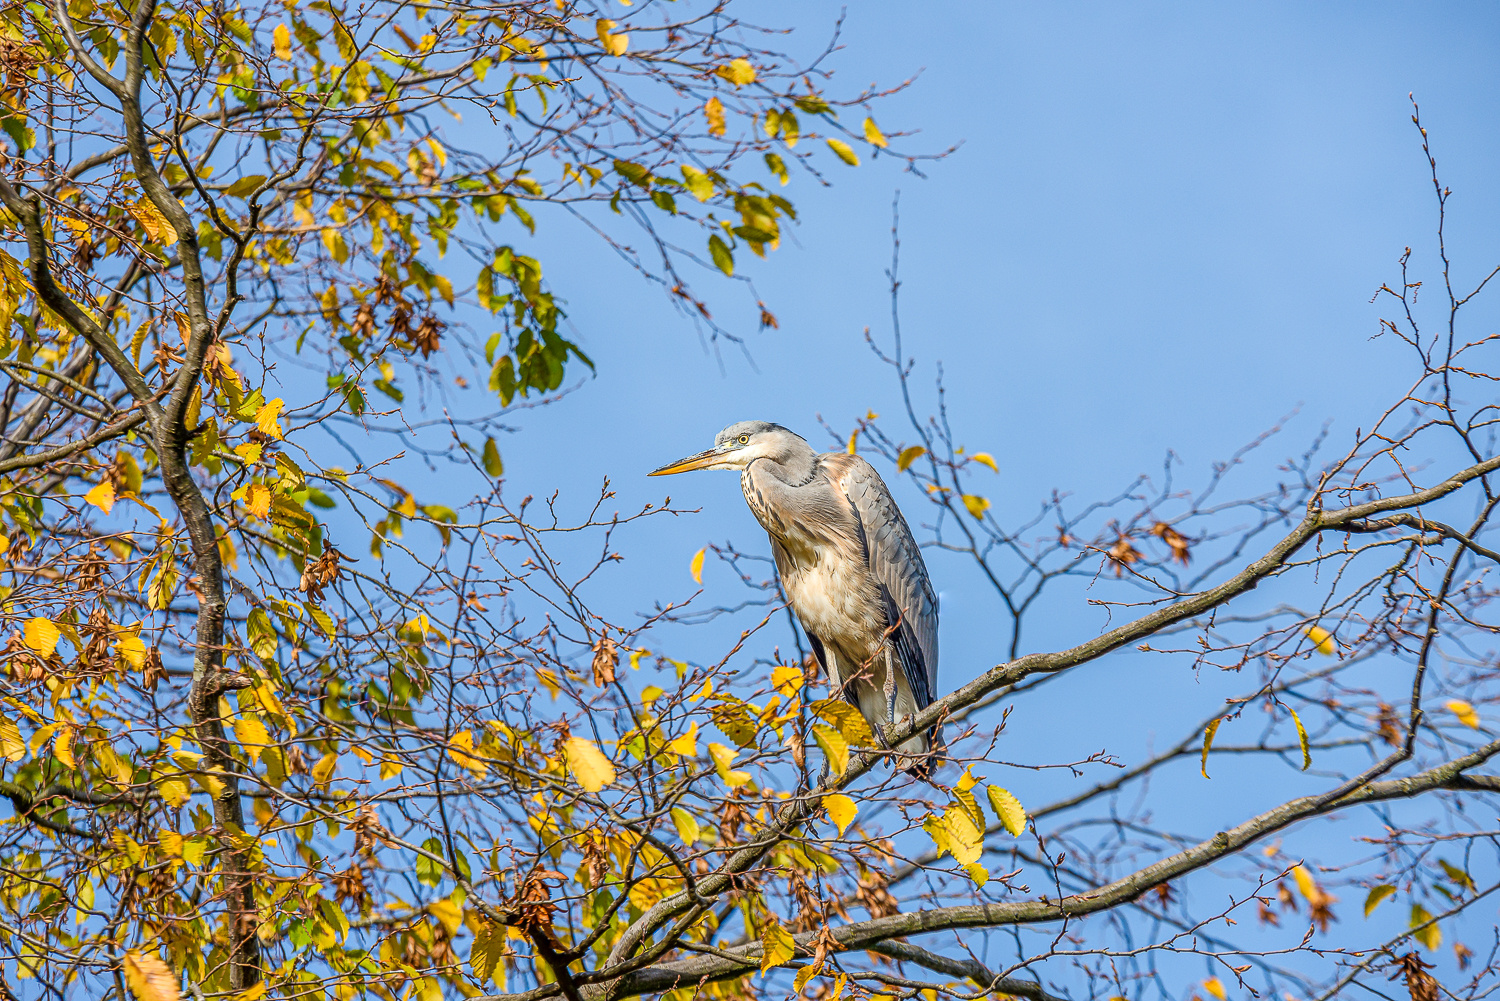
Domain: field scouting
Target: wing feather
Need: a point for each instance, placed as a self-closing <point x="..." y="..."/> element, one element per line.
<point x="897" y="561"/>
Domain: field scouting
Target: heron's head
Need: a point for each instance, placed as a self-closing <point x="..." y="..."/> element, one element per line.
<point x="738" y="445"/>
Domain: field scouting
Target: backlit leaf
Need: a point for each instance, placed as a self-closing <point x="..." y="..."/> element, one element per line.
<point x="841" y="810"/>
<point x="719" y="251"/>
<point x="265" y="418"/>
<point x="777" y="944"/>
<point x="614" y="43"/>
<point x="687" y="826"/>
<point x="713" y="110"/>
<point x="258" y="500"/>
<point x="873" y="135"/>
<point x="1465" y="713"/>
<point x="148" y="977"/>
<point x="1208" y="742"/>
<point x="724" y="757"/>
<point x="1012" y="815"/>
<point x="252" y="735"/>
<point x="738" y="72"/>
<point x="976" y="505"/>
<point x="102" y="496"/>
<point x="985" y="459"/>
<point x="844" y="151"/>
<point x="1301" y="738"/>
<point x="42" y="635"/>
<point x="12" y="747"/>
<point x="699" y="184"/>
<point x="1215" y="987"/>
<point x="493" y="465"/>
<point x="786" y="679"/>
<point x="281" y="39"/>
<point x="1431" y="936"/>
<point x="696" y="566"/>
<point x="909" y="455"/>
<point x="153" y="222"/>
<point x="1377" y="896"/>
<point x="1322" y="640"/>
<point x="835" y="747"/>
<point x="588" y="765"/>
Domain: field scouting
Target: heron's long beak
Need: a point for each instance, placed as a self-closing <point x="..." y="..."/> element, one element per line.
<point x="700" y="461"/>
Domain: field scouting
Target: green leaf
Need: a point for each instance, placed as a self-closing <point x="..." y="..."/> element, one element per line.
<point x="245" y="186"/>
<point x="430" y="873"/>
<point x="699" y="184"/>
<point x="777" y="166"/>
<point x="719" y="251"/>
<point x="1377" y="896"/>
<point x="493" y="464"/>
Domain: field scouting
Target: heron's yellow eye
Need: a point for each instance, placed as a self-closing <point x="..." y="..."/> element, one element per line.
<point x="744" y="439"/>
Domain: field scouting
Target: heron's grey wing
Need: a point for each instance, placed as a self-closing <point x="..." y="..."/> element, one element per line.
<point x="897" y="561"/>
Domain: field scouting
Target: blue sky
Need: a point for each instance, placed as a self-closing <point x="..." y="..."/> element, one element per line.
<point x="1161" y="231"/>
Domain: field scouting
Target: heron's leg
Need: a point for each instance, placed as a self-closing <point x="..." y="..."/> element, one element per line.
<point x="890" y="685"/>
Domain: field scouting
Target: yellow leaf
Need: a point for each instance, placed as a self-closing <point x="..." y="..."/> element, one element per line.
<point x="1465" y="713"/>
<point x="777" y="945"/>
<point x="1301" y="738"/>
<point x="738" y="72"/>
<point x="977" y="505"/>
<point x="42" y="636"/>
<point x="687" y="744"/>
<point x="1322" y="640"/>
<point x="322" y="772"/>
<point x="613" y="44"/>
<point x="258" y="500"/>
<point x="171" y="843"/>
<point x="1377" y="896"/>
<point x="841" y="810"/>
<point x="985" y="459"/>
<point x="153" y="222"/>
<point x="873" y="135"/>
<point x="978" y="873"/>
<point x="714" y="112"/>
<point x="1208" y="742"/>
<point x="835" y="747"/>
<point x="281" y="39"/>
<point x="590" y="768"/>
<point x="696" y="566"/>
<point x="1305" y="883"/>
<point x="265" y="418"/>
<point x="786" y="679"/>
<point x="460" y="748"/>
<point x="449" y="915"/>
<point x="12" y="747"/>
<point x="909" y="455"/>
<point x="723" y="758"/>
<point x="252" y="735"/>
<point x="844" y="152"/>
<point x="102" y="496"/>
<point x="854" y="441"/>
<point x="1012" y="815"/>
<point x="1430" y="937"/>
<point x="131" y="650"/>
<point x="148" y="977"/>
<point x="1215" y="987"/>
<point x="62" y="748"/>
<point x="687" y="826"/>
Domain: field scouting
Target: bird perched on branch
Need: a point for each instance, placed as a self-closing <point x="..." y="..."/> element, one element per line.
<point x="849" y="566"/>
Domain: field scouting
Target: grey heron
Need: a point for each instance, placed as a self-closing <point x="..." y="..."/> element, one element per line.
<point x="849" y="566"/>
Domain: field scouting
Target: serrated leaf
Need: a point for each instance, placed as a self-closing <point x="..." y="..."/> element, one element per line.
<point x="266" y="418"/>
<point x="777" y="945"/>
<point x="787" y="680"/>
<point x="1012" y="815"/>
<point x="153" y="222"/>
<point x="1377" y="896"/>
<point x="844" y="151"/>
<point x="41" y="636"/>
<point x="1208" y="742"/>
<point x="588" y="765"/>
<point x="12" y="747"/>
<point x="688" y="828"/>
<point x="1301" y="738"/>
<point x="252" y="735"/>
<point x="696" y="566"/>
<point x="841" y="810"/>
